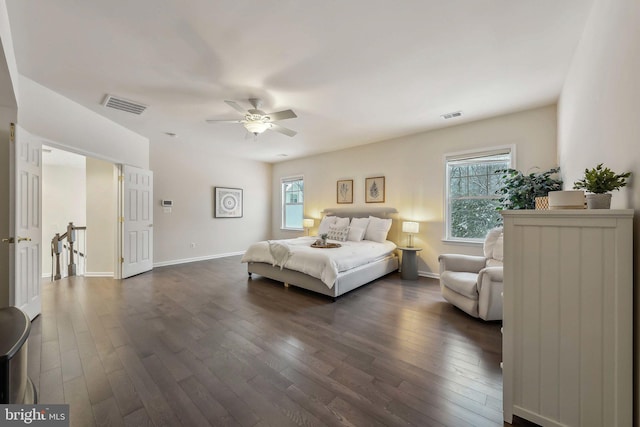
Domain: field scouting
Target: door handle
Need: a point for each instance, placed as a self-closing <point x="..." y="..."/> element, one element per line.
<point x="12" y="240"/>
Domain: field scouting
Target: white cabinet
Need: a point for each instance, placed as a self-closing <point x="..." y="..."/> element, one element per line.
<point x="568" y="316"/>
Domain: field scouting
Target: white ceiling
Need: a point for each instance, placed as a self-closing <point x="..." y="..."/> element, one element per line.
<point x="354" y="71"/>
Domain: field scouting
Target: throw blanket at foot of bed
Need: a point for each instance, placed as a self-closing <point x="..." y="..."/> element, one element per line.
<point x="324" y="264"/>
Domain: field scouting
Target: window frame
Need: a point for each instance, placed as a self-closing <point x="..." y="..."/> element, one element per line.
<point x="468" y="155"/>
<point x="283" y="203"/>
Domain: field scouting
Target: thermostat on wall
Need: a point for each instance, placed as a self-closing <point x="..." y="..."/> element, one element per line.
<point x="166" y="203"/>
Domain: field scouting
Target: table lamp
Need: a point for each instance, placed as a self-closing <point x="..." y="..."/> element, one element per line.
<point x="411" y="228"/>
<point x="307" y="223"/>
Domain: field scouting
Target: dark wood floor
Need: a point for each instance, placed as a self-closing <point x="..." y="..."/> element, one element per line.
<point x="201" y="344"/>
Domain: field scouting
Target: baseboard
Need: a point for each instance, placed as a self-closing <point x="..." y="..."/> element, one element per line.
<point x="89" y="274"/>
<point x="99" y="274"/>
<point x="429" y="274"/>
<point x="201" y="258"/>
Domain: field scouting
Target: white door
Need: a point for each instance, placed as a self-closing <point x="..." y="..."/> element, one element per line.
<point x="26" y="221"/>
<point x="137" y="221"/>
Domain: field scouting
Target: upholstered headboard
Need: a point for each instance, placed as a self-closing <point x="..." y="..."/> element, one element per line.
<point x="365" y="212"/>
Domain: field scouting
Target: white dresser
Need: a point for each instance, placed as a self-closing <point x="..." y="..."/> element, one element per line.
<point x="568" y="317"/>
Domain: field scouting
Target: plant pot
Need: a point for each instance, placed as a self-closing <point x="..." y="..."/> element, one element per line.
<point x="599" y="201"/>
<point x="568" y="199"/>
<point x="542" y="203"/>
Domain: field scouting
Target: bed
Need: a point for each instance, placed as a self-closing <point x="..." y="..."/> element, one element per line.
<point x="292" y="261"/>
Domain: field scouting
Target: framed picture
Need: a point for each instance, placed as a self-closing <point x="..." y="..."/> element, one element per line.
<point x="345" y="191"/>
<point x="228" y="202"/>
<point x="374" y="190"/>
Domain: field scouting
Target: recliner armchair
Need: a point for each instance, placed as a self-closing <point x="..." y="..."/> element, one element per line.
<point x="474" y="283"/>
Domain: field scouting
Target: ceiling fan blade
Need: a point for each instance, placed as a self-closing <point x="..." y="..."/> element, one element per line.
<point x="282" y="115"/>
<point x="223" y="121"/>
<point x="283" y="130"/>
<point x="256" y="103"/>
<point x="236" y="106"/>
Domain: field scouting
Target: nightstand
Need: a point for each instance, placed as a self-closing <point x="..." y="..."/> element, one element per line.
<point x="409" y="268"/>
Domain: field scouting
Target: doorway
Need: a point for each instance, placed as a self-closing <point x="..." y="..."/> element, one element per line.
<point x="82" y="190"/>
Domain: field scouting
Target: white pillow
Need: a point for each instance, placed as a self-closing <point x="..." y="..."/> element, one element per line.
<point x="360" y="223"/>
<point x="498" y="249"/>
<point x="490" y="241"/>
<point x="338" y="233"/>
<point x="356" y="234"/>
<point x="377" y="229"/>
<point x="342" y="222"/>
<point x="326" y="222"/>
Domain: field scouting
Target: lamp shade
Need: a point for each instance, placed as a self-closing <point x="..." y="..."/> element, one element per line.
<point x="308" y="222"/>
<point x="410" y="227"/>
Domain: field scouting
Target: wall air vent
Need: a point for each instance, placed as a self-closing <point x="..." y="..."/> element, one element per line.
<point x="451" y="115"/>
<point x="123" y="105"/>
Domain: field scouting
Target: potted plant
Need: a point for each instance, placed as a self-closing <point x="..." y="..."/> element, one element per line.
<point x="519" y="191"/>
<point x="599" y="182"/>
<point x="323" y="239"/>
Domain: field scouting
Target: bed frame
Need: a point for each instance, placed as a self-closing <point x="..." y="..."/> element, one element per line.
<point x="347" y="280"/>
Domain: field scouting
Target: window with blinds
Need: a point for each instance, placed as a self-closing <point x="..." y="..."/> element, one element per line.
<point x="472" y="201"/>
<point x="292" y="202"/>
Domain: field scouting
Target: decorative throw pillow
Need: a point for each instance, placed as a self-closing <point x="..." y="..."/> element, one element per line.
<point x="342" y="222"/>
<point x="326" y="222"/>
<point x="356" y="234"/>
<point x="377" y="229"/>
<point x="338" y="233"/>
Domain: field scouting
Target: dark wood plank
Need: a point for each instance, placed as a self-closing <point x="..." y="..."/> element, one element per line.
<point x="51" y="390"/>
<point x="80" y="410"/>
<point x="138" y="418"/>
<point x="106" y="413"/>
<point x="124" y="392"/>
<point x="183" y="407"/>
<point x="200" y="344"/>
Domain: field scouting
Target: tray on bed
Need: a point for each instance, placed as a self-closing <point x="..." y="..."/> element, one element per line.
<point x="326" y="245"/>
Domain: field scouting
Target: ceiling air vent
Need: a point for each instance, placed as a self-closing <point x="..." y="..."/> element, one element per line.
<point x="451" y="115"/>
<point x="124" y="105"/>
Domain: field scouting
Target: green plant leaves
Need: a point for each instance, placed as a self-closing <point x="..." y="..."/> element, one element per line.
<point x="519" y="190"/>
<point x="601" y="180"/>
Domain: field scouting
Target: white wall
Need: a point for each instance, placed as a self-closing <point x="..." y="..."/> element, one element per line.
<point x="63" y="200"/>
<point x="414" y="170"/>
<point x="599" y="111"/>
<point x="598" y="115"/>
<point x="66" y="124"/>
<point x="101" y="178"/>
<point x="187" y="173"/>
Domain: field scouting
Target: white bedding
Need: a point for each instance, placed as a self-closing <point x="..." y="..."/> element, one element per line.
<point x="324" y="264"/>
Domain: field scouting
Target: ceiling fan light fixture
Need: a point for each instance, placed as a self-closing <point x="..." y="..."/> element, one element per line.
<point x="256" y="126"/>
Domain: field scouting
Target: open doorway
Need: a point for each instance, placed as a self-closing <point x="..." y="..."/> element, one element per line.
<point x="82" y="190"/>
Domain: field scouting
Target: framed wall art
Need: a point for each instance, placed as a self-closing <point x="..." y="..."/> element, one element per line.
<point x="228" y="202"/>
<point x="374" y="189"/>
<point x="345" y="191"/>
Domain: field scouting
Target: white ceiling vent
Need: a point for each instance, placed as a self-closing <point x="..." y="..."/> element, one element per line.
<point x="451" y="115"/>
<point x="124" y="105"/>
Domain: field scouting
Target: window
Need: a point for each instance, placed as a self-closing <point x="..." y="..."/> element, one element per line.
<point x="292" y="202"/>
<point x="471" y="193"/>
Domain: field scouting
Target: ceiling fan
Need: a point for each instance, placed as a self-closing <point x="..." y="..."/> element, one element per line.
<point x="257" y="121"/>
